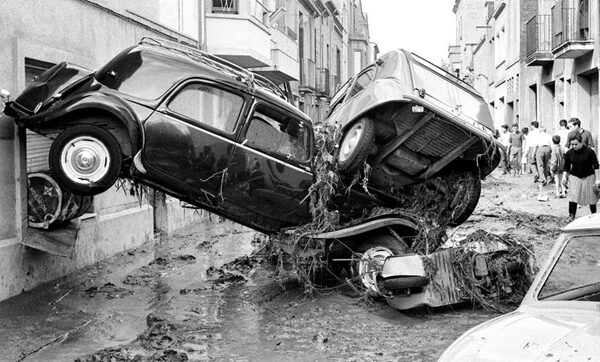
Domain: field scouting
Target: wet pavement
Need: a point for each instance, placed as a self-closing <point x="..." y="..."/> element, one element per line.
<point x="197" y="296"/>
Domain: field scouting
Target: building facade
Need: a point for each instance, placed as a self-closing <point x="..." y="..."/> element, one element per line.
<point x="535" y="60"/>
<point x="303" y="45"/>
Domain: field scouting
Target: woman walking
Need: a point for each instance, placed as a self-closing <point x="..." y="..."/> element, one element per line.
<point x="582" y="163"/>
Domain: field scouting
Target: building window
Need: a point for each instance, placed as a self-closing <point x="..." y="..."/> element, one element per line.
<point x="225" y="6"/>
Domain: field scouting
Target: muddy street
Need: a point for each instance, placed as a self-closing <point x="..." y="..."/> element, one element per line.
<point x="197" y="295"/>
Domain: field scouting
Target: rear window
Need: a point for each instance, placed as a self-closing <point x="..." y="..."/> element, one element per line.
<point x="142" y="74"/>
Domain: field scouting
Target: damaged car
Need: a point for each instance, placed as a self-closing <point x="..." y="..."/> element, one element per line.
<point x="226" y="140"/>
<point x="414" y="123"/>
<point x="558" y="319"/>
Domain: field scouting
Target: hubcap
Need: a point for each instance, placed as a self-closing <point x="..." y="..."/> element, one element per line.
<point x="85" y="160"/>
<point x="350" y="141"/>
<point x="370" y="265"/>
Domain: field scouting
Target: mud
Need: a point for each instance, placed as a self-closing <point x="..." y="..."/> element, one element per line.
<point x="201" y="295"/>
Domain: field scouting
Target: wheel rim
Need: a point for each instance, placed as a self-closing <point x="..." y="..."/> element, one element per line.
<point x="370" y="265"/>
<point x="85" y="160"/>
<point x="350" y="141"/>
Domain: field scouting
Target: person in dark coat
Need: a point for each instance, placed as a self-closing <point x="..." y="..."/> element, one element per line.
<point x="581" y="163"/>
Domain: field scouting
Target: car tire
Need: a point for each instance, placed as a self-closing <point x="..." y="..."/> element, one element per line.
<point x="371" y="254"/>
<point x="465" y="198"/>
<point x="399" y="283"/>
<point x="355" y="145"/>
<point x="85" y="159"/>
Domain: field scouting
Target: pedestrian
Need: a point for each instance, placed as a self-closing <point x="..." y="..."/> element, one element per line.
<point x="581" y="162"/>
<point x="563" y="132"/>
<point x="542" y="155"/>
<point x="557" y="164"/>
<point x="532" y="149"/>
<point x="525" y="132"/>
<point x="575" y="127"/>
<point x="515" y="149"/>
<point x="505" y="141"/>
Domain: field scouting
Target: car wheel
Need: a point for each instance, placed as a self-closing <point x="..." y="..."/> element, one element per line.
<point x="355" y="145"/>
<point x="369" y="258"/>
<point x="399" y="283"/>
<point x="466" y="197"/>
<point x="85" y="159"/>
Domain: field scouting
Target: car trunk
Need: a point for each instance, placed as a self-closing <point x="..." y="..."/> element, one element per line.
<point x="48" y="87"/>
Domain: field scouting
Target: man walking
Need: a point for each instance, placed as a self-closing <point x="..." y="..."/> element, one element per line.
<point x="505" y="141"/>
<point x="515" y="149"/>
<point x="541" y="142"/>
<point x="563" y="133"/>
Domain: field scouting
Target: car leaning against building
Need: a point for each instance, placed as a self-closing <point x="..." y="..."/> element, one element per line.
<point x="559" y="318"/>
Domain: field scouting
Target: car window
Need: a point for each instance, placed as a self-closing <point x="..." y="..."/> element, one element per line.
<point x="362" y="81"/>
<point x="282" y="136"/>
<point x="339" y="96"/>
<point x="208" y="105"/>
<point x="576" y="274"/>
<point x="142" y="74"/>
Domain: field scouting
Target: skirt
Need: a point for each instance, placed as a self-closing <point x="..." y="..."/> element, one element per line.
<point x="581" y="190"/>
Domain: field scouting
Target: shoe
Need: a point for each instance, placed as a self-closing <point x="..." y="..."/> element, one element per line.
<point x="544" y="182"/>
<point x="536" y="178"/>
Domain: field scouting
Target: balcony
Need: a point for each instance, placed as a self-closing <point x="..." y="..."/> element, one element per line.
<point x="307" y="75"/>
<point x="538" y="45"/>
<point x="571" y="31"/>
<point x="284" y="64"/>
<point x="323" y="79"/>
<point x="240" y="35"/>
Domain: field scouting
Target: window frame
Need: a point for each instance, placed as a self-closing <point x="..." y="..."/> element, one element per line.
<point x="196" y="122"/>
<point x="256" y="113"/>
<point x="371" y="68"/>
<point x="223" y="9"/>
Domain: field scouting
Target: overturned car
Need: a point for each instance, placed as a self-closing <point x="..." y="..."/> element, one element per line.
<point x="224" y="139"/>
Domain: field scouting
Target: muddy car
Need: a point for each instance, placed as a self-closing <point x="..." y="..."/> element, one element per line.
<point x="414" y="123"/>
<point x="558" y="319"/>
<point x="219" y="137"/>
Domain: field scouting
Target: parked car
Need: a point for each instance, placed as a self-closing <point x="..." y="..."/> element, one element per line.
<point x="559" y="318"/>
<point x="226" y="140"/>
<point x="412" y="121"/>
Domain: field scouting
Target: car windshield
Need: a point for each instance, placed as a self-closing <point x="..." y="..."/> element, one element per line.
<point x="576" y="274"/>
<point x="444" y="88"/>
<point x="142" y="74"/>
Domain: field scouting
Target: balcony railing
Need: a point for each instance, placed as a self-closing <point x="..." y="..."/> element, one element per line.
<point x="571" y="26"/>
<point x="323" y="81"/>
<point x="307" y="73"/>
<point x="538" y="45"/>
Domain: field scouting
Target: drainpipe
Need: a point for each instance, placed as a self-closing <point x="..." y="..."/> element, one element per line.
<point x="201" y="26"/>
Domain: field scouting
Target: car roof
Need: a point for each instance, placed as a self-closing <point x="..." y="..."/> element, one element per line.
<point x="585" y="223"/>
<point x="212" y="66"/>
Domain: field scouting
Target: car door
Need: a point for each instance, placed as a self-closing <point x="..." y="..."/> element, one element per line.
<point x="270" y="171"/>
<point x="189" y="139"/>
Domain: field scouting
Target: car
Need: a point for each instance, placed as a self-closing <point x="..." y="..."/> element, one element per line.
<point x="226" y="140"/>
<point x="413" y="122"/>
<point x="559" y="317"/>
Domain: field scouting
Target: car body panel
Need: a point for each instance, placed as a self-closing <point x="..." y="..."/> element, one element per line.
<point x="426" y="120"/>
<point x="533" y="335"/>
<point x="542" y="328"/>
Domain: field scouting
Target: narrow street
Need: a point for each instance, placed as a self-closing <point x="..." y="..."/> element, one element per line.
<point x="176" y="301"/>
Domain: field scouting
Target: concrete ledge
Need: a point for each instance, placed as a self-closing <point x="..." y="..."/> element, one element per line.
<point x="24" y="268"/>
<point x="171" y="216"/>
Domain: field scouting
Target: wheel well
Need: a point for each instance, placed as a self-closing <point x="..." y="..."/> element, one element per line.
<point x="104" y="119"/>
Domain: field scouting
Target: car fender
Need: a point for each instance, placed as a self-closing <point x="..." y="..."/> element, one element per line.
<point x="368" y="226"/>
<point x="382" y="91"/>
<point x="89" y="103"/>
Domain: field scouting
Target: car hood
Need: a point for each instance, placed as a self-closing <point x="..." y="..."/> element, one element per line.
<point x="532" y="335"/>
